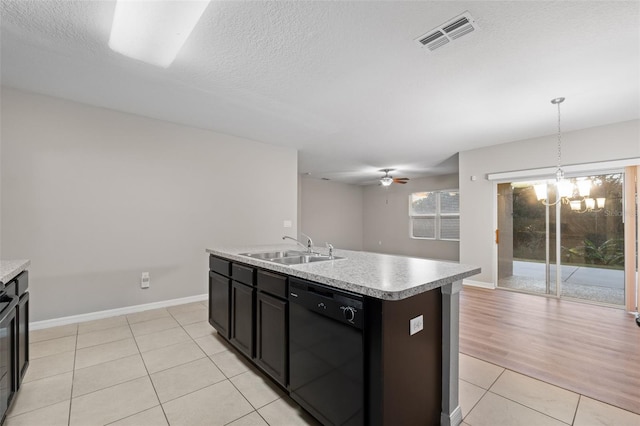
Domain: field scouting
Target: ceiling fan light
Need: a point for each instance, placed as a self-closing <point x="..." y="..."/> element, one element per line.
<point x="386" y="181"/>
<point x="153" y="31"/>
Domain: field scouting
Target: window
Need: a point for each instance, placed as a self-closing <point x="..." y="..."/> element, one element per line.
<point x="435" y="215"/>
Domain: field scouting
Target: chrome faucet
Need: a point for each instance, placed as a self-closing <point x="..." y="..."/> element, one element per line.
<point x="308" y="246"/>
<point x="330" y="247"/>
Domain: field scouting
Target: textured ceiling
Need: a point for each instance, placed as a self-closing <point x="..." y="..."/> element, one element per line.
<point x="344" y="82"/>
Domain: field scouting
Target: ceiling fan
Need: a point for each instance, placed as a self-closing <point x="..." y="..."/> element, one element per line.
<point x="387" y="179"/>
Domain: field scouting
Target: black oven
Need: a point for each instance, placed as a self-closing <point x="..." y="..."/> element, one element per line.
<point x="8" y="303"/>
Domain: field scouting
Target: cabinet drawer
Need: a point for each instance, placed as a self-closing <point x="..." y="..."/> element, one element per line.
<point x="22" y="283"/>
<point x="10" y="287"/>
<point x="272" y="283"/>
<point x="243" y="274"/>
<point x="221" y="266"/>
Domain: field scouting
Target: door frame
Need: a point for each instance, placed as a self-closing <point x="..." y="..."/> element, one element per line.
<point x="632" y="278"/>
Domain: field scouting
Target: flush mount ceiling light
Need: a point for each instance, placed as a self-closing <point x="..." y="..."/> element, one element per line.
<point x="568" y="192"/>
<point x="153" y="31"/>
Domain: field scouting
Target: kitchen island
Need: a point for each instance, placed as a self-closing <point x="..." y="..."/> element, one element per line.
<point x="402" y="312"/>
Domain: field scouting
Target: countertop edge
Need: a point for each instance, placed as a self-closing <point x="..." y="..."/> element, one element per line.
<point x="345" y="285"/>
<point x="9" y="269"/>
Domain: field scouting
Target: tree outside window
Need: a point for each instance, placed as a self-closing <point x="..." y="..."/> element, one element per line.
<point x="435" y="215"/>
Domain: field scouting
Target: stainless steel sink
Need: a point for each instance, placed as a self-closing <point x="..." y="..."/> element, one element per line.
<point x="290" y="257"/>
<point x="297" y="260"/>
<point x="273" y="254"/>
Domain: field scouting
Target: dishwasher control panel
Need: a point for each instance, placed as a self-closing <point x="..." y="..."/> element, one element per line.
<point x="335" y="304"/>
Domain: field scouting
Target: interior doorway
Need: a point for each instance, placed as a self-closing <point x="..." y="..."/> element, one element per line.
<point x="573" y="248"/>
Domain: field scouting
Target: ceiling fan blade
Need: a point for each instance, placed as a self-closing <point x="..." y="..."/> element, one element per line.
<point x="400" y="180"/>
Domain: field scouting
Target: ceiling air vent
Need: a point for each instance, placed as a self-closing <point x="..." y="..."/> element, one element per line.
<point x="447" y="32"/>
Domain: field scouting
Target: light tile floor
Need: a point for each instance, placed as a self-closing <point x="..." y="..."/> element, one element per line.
<point x="169" y="367"/>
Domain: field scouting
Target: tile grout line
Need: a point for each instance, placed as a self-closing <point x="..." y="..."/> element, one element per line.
<point x="73" y="375"/>
<point x="191" y="339"/>
<point x="517" y="402"/>
<point x="580" y="395"/>
<point x="530" y="408"/>
<point x="48" y="377"/>
<point x="575" y="413"/>
<point x="497" y="378"/>
<point x="485" y="390"/>
<point x="148" y="375"/>
<point x="474" y="405"/>
<point x="227" y="378"/>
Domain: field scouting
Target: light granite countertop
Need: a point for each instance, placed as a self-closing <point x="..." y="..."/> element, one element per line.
<point x="382" y="276"/>
<point x="9" y="269"/>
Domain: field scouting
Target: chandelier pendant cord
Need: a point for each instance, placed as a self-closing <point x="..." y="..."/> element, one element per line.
<point x="559" y="171"/>
<point x="559" y="142"/>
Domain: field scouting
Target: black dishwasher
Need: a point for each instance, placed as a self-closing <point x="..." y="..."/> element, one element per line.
<point x="326" y="354"/>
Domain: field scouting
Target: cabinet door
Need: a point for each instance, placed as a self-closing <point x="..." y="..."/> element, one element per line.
<point x="271" y="336"/>
<point x="8" y="383"/>
<point x="22" y="320"/>
<point x="242" y="317"/>
<point x="219" y="303"/>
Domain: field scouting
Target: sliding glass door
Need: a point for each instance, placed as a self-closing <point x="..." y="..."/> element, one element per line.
<point x="582" y="234"/>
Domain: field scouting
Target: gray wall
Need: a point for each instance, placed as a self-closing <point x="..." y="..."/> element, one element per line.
<point x="94" y="197"/>
<point x="477" y="209"/>
<point x="331" y="212"/>
<point x="359" y="217"/>
<point x="386" y="219"/>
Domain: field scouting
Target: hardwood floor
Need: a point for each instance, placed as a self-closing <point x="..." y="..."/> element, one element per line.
<point x="584" y="348"/>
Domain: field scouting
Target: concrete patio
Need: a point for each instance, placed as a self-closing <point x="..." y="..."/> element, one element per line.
<point x="580" y="282"/>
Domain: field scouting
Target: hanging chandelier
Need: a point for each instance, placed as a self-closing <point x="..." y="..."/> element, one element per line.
<point x="572" y="193"/>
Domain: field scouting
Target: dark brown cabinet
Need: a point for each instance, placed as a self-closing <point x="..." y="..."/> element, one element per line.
<point x="8" y="340"/>
<point x="219" y="297"/>
<point x="242" y="297"/>
<point x="271" y="336"/>
<point x="272" y="316"/>
<point x="22" y="321"/>
<point x="22" y="324"/>
<point x="14" y="338"/>
<point x="250" y="306"/>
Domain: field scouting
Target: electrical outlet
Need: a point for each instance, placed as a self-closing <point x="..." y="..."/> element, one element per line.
<point x="287" y="224"/>
<point x="416" y="324"/>
<point x="145" y="280"/>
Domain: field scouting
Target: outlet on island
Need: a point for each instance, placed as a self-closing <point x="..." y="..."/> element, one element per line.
<point x="416" y="324"/>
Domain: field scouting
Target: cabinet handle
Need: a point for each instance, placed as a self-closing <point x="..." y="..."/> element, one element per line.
<point x="497" y="236"/>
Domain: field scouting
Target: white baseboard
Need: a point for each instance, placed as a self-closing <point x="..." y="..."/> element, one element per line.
<point x="37" y="325"/>
<point x="481" y="284"/>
